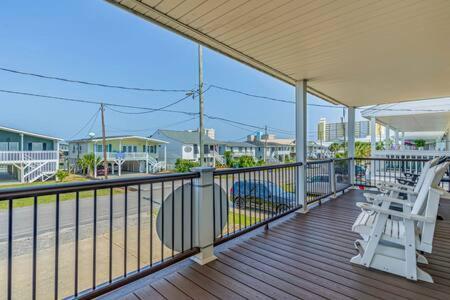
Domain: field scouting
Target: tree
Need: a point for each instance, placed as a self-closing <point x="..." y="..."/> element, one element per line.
<point x="184" y="165"/>
<point x="229" y="160"/>
<point x="420" y="143"/>
<point x="88" y="163"/>
<point x="335" y="147"/>
<point x="61" y="175"/>
<point x="246" y="161"/>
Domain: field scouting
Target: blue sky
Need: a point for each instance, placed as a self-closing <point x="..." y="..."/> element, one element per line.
<point x="95" y="41"/>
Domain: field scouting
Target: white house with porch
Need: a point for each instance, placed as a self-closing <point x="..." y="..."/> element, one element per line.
<point x="26" y="156"/>
<point x="131" y="153"/>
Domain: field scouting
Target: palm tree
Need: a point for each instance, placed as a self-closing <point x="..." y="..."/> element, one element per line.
<point x="88" y="163"/>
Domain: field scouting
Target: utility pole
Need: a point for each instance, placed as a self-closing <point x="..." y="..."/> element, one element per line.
<point x="265" y="143"/>
<point x="105" y="162"/>
<point x="201" y="105"/>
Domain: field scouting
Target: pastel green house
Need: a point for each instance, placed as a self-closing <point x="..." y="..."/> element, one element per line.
<point x="27" y="156"/>
<point x="123" y="153"/>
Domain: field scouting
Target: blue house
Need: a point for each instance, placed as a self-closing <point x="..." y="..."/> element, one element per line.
<point x="27" y="156"/>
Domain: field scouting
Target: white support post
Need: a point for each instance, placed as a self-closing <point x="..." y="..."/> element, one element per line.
<point x="301" y="142"/>
<point x="396" y="139"/>
<point x="402" y="141"/>
<point x="373" y="145"/>
<point x="387" y="138"/>
<point x="165" y="157"/>
<point x="57" y="155"/>
<point x="351" y="142"/>
<point x="146" y="157"/>
<point x="203" y="215"/>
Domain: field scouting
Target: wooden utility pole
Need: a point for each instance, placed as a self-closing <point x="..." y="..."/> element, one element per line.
<point x="201" y="105"/>
<point x="105" y="161"/>
<point x="265" y="143"/>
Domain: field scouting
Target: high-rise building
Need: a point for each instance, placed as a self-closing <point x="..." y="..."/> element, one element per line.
<point x="333" y="132"/>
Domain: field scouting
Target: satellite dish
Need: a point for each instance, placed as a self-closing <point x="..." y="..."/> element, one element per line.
<point x="91" y="135"/>
<point x="185" y="208"/>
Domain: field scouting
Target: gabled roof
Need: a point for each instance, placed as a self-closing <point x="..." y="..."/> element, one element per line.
<point x="235" y="144"/>
<point x="186" y="137"/>
<point x="119" y="137"/>
<point x="30" y="133"/>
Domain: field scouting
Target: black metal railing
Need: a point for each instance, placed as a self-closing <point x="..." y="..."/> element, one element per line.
<point x="247" y="198"/>
<point x="371" y="171"/>
<point x="85" y="239"/>
<point x="326" y="177"/>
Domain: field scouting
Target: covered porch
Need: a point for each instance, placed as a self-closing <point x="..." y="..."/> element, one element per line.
<point x="300" y="256"/>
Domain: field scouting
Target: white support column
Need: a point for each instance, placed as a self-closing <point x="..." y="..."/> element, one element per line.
<point x="300" y="141"/>
<point x="351" y="142"/>
<point x="146" y="156"/>
<point x="203" y="215"/>
<point x="57" y="155"/>
<point x="396" y="138"/>
<point x="387" y="138"/>
<point x="165" y="157"/>
<point x="402" y="141"/>
<point x="373" y="144"/>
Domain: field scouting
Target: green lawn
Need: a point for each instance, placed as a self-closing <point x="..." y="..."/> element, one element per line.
<point x="52" y="198"/>
<point x="241" y="219"/>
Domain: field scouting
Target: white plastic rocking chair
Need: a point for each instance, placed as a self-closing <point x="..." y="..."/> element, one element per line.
<point x="394" y="189"/>
<point x="393" y="238"/>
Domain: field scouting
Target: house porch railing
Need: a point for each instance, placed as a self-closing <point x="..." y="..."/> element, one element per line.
<point x="101" y="235"/>
<point x="24" y="156"/>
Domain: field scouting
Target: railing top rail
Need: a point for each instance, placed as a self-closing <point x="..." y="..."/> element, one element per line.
<point x="392" y="159"/>
<point x="252" y="169"/>
<point x="319" y="161"/>
<point x="25" y="192"/>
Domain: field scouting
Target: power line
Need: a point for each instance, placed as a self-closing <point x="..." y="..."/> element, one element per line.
<point x="266" y="97"/>
<point x="152" y="128"/>
<point x="95" y="115"/>
<point x="85" y="101"/>
<point x="122" y="87"/>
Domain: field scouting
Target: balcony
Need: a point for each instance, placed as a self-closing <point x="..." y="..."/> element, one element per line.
<point x="132" y="237"/>
<point x="111" y="156"/>
<point x="302" y="256"/>
<point x="27" y="156"/>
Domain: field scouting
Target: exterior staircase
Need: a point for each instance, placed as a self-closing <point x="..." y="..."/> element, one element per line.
<point x="219" y="158"/>
<point x="39" y="170"/>
<point x="155" y="166"/>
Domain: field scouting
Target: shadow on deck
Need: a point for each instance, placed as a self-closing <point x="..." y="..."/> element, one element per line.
<point x="303" y="256"/>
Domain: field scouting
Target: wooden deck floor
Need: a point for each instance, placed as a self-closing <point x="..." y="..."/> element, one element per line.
<point x="306" y="257"/>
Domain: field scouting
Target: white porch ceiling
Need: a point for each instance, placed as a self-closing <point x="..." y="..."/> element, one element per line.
<point x="425" y="115"/>
<point x="356" y="52"/>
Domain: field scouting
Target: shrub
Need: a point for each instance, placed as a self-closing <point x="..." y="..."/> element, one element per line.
<point x="183" y="165"/>
<point x="61" y="175"/>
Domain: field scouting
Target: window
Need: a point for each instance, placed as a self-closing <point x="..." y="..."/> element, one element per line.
<point x="195" y="149"/>
<point x="44" y="146"/>
<point x="134" y="148"/>
<point x="73" y="149"/>
<point x="143" y="148"/>
<point x="109" y="148"/>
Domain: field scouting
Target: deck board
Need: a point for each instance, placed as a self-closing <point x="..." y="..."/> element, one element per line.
<point x="304" y="257"/>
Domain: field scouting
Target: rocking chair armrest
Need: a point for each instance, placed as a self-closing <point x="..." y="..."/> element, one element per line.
<point x="406" y="181"/>
<point x="385" y="185"/>
<point x="407" y="216"/>
<point x="406" y="191"/>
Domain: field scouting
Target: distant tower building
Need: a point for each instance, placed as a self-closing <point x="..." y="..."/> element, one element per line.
<point x="333" y="132"/>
